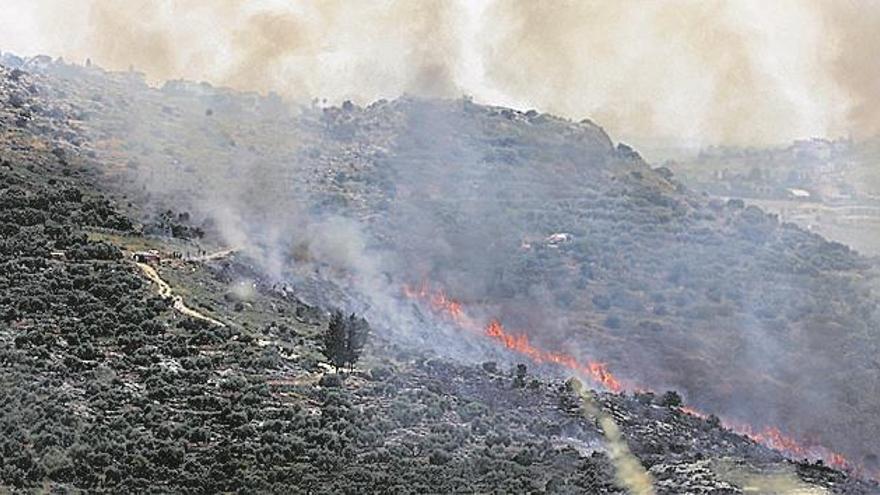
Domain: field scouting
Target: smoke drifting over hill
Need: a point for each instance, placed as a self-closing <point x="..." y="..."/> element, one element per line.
<point x="673" y="72"/>
<point x="536" y="221"/>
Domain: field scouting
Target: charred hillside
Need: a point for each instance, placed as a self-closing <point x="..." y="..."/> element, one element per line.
<point x="537" y="223"/>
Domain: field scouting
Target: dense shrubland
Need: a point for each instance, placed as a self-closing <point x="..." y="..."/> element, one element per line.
<point x="105" y="388"/>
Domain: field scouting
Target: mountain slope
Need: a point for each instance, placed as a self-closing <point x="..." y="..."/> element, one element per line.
<point x="465" y="196"/>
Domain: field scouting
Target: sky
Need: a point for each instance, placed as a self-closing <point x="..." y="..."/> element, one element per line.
<point x="680" y="73"/>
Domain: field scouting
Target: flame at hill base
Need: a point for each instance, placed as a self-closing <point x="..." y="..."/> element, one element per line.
<point x="452" y="310"/>
<point x="773" y="438"/>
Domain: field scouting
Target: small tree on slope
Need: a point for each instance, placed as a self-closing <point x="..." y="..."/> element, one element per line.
<point x="356" y="332"/>
<point x="344" y="339"/>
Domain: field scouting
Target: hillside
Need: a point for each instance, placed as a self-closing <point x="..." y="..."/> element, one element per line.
<point x="521" y="218"/>
<point x="828" y="187"/>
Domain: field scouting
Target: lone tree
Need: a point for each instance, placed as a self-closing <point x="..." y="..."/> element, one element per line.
<point x="519" y="379"/>
<point x="671" y="399"/>
<point x="344" y="339"/>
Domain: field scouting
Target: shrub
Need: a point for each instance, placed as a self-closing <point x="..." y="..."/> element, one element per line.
<point x="671" y="399"/>
<point x="613" y="322"/>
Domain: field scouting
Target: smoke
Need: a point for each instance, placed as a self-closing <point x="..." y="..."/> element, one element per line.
<point x="300" y="50"/>
<point x="676" y="72"/>
<point x="446" y="191"/>
<point x="629" y="471"/>
<point x="856" y="30"/>
<point x="732" y="72"/>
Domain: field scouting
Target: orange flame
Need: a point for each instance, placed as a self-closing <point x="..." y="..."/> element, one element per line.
<point x="518" y="342"/>
<point x="438" y="301"/>
<point x="598" y="372"/>
<point x="775" y="439"/>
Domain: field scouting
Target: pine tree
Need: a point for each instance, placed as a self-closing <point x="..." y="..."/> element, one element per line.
<point x="357" y="330"/>
<point x="344" y="339"/>
<point x="334" y="340"/>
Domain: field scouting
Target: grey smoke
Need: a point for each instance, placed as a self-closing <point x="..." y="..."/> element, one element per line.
<point x="681" y="72"/>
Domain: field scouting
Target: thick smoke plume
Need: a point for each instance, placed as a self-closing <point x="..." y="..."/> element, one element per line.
<point x="300" y="50"/>
<point x="856" y="24"/>
<point x="661" y="73"/>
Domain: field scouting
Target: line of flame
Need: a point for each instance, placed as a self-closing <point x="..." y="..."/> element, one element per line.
<point x="599" y="373"/>
<point x="517" y="342"/>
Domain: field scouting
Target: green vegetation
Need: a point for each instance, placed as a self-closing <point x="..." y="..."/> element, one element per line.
<point x="106" y="388"/>
<point x="344" y="339"/>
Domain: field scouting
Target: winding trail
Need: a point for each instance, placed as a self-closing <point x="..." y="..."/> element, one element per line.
<point x="179" y="305"/>
<point x="215" y="255"/>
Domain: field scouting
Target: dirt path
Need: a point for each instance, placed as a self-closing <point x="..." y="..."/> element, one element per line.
<point x="214" y="256"/>
<point x="179" y="305"/>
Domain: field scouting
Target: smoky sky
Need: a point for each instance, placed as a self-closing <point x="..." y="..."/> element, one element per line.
<point x="674" y="72"/>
